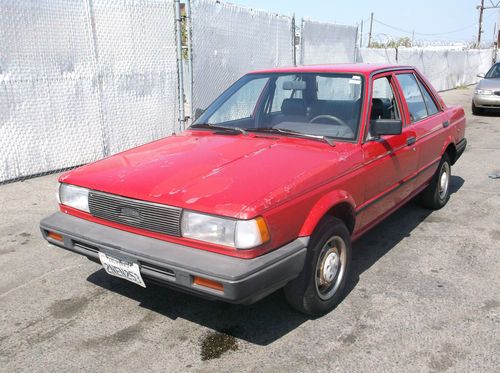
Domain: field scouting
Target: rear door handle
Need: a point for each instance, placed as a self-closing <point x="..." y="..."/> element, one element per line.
<point x="446" y="124"/>
<point x="411" y="140"/>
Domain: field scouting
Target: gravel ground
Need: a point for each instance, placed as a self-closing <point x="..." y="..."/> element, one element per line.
<point x="424" y="295"/>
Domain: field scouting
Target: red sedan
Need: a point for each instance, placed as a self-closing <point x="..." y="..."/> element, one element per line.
<point x="269" y="186"/>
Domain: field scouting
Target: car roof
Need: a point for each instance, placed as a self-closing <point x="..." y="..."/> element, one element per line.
<point x="360" y="68"/>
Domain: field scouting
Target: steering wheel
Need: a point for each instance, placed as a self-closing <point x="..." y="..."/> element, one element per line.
<point x="334" y="119"/>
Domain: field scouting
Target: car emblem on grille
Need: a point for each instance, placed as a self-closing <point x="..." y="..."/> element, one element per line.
<point x="131" y="213"/>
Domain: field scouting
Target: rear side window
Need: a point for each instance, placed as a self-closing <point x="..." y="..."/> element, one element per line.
<point x="413" y="96"/>
<point x="429" y="102"/>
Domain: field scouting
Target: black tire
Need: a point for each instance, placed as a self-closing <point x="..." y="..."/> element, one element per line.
<point x="476" y="110"/>
<point x="436" y="195"/>
<point x="310" y="293"/>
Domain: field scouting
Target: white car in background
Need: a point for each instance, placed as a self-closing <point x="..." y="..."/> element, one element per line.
<point x="487" y="92"/>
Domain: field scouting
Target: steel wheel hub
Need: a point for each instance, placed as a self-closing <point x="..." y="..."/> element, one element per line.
<point x="444" y="180"/>
<point x="330" y="267"/>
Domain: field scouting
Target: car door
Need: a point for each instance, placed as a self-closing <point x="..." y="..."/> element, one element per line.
<point x="389" y="161"/>
<point x="428" y="120"/>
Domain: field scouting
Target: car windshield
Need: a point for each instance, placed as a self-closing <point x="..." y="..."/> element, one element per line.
<point x="494" y="72"/>
<point x="313" y="104"/>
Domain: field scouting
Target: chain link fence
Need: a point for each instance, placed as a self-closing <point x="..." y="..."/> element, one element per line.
<point x="228" y="41"/>
<point x="445" y="69"/>
<point x="82" y="79"/>
<point x="327" y="43"/>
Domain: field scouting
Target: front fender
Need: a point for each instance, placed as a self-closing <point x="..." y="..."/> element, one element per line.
<point x="322" y="206"/>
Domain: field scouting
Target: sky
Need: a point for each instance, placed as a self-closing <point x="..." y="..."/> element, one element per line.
<point x="446" y="20"/>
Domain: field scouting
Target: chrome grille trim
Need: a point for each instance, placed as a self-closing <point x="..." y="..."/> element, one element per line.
<point x="135" y="213"/>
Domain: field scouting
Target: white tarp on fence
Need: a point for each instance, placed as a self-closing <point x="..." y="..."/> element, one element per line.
<point x="376" y="55"/>
<point x="445" y="69"/>
<point x="229" y="41"/>
<point x="327" y="43"/>
<point x="80" y="79"/>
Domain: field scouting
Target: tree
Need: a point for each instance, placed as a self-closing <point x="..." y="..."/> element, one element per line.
<point x="400" y="42"/>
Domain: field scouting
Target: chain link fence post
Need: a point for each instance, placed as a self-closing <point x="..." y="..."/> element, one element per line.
<point x="98" y="74"/>
<point x="294" y="53"/>
<point x="180" y="66"/>
<point x="189" y="60"/>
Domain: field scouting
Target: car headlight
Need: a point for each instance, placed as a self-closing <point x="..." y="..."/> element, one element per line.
<point x="484" y="92"/>
<point x="73" y="196"/>
<point x="240" y="234"/>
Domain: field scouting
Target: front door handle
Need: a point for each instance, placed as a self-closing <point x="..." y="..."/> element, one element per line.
<point x="411" y="140"/>
<point x="446" y="124"/>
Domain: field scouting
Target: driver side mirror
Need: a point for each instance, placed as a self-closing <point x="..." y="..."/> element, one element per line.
<point x="480" y="75"/>
<point x="379" y="127"/>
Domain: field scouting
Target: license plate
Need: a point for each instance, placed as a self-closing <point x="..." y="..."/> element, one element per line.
<point x="122" y="268"/>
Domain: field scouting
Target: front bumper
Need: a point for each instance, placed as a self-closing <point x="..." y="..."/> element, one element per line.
<point x="486" y="101"/>
<point x="244" y="280"/>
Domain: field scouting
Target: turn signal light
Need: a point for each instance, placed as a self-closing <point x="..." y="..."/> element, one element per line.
<point x="55" y="236"/>
<point x="264" y="232"/>
<point x="200" y="281"/>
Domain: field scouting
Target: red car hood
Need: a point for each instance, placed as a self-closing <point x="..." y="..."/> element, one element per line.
<point x="231" y="175"/>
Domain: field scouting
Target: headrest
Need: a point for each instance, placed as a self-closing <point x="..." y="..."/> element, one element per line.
<point x="377" y="108"/>
<point x="293" y="106"/>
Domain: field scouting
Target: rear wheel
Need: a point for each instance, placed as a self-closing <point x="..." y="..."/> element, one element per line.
<point x="437" y="194"/>
<point x="320" y="286"/>
<point x="476" y="110"/>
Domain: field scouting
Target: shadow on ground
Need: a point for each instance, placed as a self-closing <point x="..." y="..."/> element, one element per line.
<point x="489" y="113"/>
<point x="271" y="318"/>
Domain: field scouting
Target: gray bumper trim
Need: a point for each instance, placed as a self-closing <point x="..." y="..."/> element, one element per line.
<point x="460" y="147"/>
<point x="244" y="280"/>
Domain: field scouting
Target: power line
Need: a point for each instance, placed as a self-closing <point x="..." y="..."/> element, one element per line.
<point x="427" y="34"/>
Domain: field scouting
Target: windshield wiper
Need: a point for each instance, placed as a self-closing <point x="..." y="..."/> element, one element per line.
<point x="326" y="139"/>
<point x="218" y="127"/>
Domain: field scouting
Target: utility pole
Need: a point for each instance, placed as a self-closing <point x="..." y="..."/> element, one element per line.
<point x="361" y="36"/>
<point x="480" y="31"/>
<point x="412" y="37"/>
<point x="494" y="4"/>
<point x="371" y="27"/>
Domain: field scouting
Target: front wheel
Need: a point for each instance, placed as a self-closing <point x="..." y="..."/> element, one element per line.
<point x="437" y="193"/>
<point x="476" y="110"/>
<point x="320" y="286"/>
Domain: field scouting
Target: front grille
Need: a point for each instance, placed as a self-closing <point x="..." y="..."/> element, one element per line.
<point x="497" y="93"/>
<point x="139" y="214"/>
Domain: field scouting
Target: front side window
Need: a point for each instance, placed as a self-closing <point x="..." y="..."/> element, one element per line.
<point x="384" y="105"/>
<point x="316" y="104"/>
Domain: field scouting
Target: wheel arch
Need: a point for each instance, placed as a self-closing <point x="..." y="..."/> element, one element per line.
<point x="451" y="150"/>
<point x="338" y="204"/>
